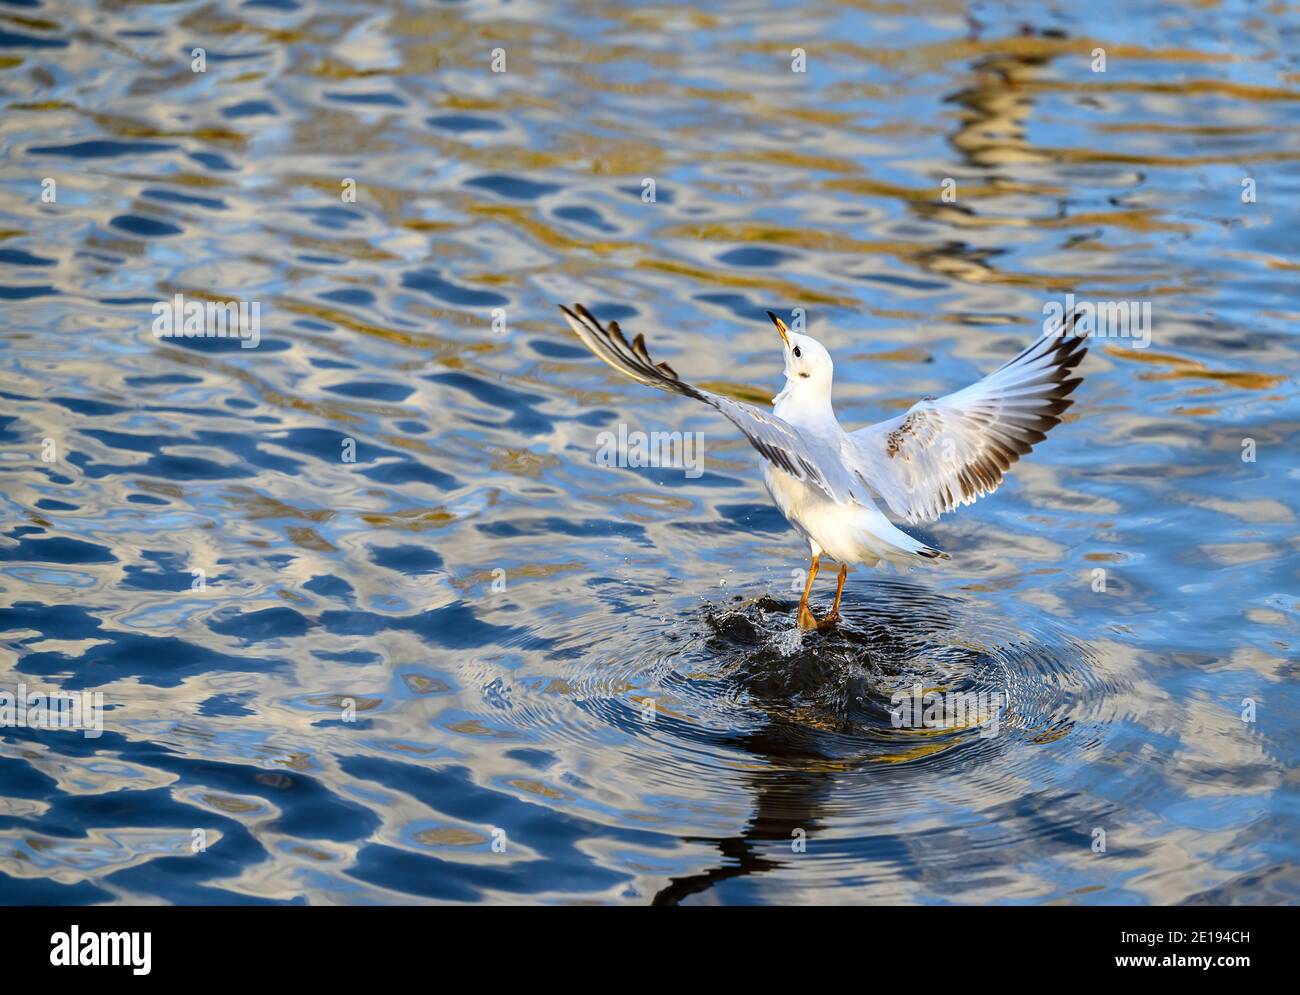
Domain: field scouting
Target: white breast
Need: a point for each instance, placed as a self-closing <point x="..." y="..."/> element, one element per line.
<point x="847" y="533"/>
<point x="826" y="525"/>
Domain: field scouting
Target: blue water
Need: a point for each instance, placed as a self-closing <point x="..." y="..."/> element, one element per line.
<point x="472" y="664"/>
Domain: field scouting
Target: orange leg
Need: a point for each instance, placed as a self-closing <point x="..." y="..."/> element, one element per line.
<point x="806" y="618"/>
<point x="834" y="616"/>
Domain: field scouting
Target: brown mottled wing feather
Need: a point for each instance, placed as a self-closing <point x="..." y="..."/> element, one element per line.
<point x="946" y="452"/>
<point x="780" y="443"/>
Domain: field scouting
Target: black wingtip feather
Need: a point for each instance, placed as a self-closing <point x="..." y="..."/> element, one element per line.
<point x="631" y="359"/>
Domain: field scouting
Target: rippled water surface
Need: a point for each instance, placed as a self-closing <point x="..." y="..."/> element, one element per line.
<point x="476" y="634"/>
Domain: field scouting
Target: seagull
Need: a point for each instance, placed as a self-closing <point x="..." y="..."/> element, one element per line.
<point x="940" y="454"/>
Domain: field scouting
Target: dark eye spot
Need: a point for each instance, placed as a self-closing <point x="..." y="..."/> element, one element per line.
<point x="796" y="352"/>
<point x="804" y="375"/>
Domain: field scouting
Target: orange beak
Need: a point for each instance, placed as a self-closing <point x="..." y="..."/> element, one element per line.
<point x="780" y="327"/>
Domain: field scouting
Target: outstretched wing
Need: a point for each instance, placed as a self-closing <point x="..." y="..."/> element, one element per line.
<point x="949" y="451"/>
<point x="780" y="443"/>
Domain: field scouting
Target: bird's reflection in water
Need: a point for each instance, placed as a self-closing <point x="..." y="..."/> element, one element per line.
<point x="827" y="710"/>
<point x="783" y="811"/>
